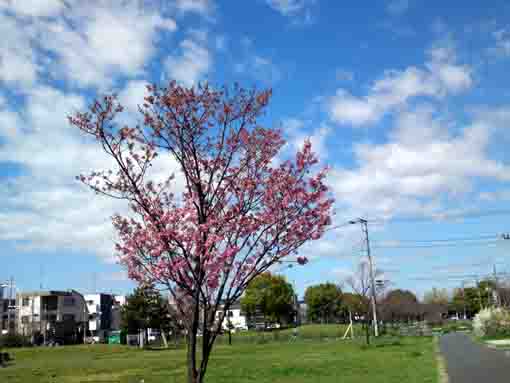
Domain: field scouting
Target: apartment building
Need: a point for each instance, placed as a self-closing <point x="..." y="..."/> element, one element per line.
<point x="7" y="316"/>
<point x="8" y="312"/>
<point x="103" y="314"/>
<point x="58" y="316"/>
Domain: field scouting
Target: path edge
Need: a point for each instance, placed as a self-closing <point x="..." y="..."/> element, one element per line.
<point x="441" y="364"/>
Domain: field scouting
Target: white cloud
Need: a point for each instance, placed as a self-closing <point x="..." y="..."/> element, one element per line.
<point x="192" y="64"/>
<point x="501" y="42"/>
<point x="10" y="124"/>
<point x="132" y="95"/>
<point x="454" y="78"/>
<point x="439" y="76"/>
<point x="259" y="67"/>
<point x="298" y="11"/>
<point x="420" y="161"/>
<point x="495" y="196"/>
<point x="202" y="7"/>
<point x="297" y="133"/>
<point x="18" y="65"/>
<point x="89" y="44"/>
<point x="45" y="208"/>
<point x="33" y="7"/>
<point x="346" y="108"/>
<point x="89" y="57"/>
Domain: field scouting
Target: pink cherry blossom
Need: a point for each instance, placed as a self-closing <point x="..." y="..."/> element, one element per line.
<point x="238" y="215"/>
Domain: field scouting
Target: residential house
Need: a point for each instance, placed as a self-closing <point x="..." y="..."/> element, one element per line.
<point x="58" y="316"/>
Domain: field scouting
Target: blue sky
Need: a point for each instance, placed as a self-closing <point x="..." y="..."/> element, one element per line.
<point x="407" y="101"/>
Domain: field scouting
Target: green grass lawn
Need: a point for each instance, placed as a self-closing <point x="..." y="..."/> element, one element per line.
<point x="409" y="360"/>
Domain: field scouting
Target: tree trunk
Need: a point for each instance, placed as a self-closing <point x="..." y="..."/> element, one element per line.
<point x="141" y="338"/>
<point x="367" y="331"/>
<point x="163" y="336"/>
<point x="229" y="337"/>
<point x="193" y="375"/>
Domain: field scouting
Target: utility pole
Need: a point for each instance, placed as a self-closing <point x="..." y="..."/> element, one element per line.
<point x="464" y="298"/>
<point x="9" y="306"/>
<point x="42" y="277"/>
<point x="364" y="226"/>
<point x="496" y="286"/>
<point x="479" y="293"/>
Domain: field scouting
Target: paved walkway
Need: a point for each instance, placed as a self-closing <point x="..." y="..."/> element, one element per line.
<point x="469" y="362"/>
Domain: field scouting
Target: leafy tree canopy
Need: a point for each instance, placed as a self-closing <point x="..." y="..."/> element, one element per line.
<point x="324" y="301"/>
<point x="145" y="308"/>
<point x="270" y="294"/>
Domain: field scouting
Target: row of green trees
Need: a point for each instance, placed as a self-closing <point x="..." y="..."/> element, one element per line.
<point x="274" y="298"/>
<point x="271" y="299"/>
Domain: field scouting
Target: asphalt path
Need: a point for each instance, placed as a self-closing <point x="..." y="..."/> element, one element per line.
<point x="470" y="362"/>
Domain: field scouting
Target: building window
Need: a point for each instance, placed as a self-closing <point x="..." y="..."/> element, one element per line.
<point x="69" y="301"/>
<point x="24" y="319"/>
<point x="50" y="303"/>
<point x="230" y="314"/>
<point x="26" y="301"/>
<point x="50" y="317"/>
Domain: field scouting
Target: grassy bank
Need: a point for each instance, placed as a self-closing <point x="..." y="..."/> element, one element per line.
<point x="307" y="332"/>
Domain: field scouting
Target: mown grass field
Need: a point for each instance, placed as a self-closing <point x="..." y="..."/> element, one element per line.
<point x="409" y="360"/>
<point x="307" y="332"/>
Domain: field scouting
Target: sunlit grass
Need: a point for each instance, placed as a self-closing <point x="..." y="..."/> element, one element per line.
<point x="302" y="361"/>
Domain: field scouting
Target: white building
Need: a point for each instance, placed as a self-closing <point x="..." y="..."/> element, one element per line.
<point x="8" y="313"/>
<point x="234" y="317"/>
<point x="104" y="314"/>
<point x="52" y="314"/>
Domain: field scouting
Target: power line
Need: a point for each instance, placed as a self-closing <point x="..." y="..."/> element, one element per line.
<point x="476" y="238"/>
<point x="442" y="217"/>
<point x="338" y="226"/>
<point x="435" y="245"/>
<point x="474" y="276"/>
